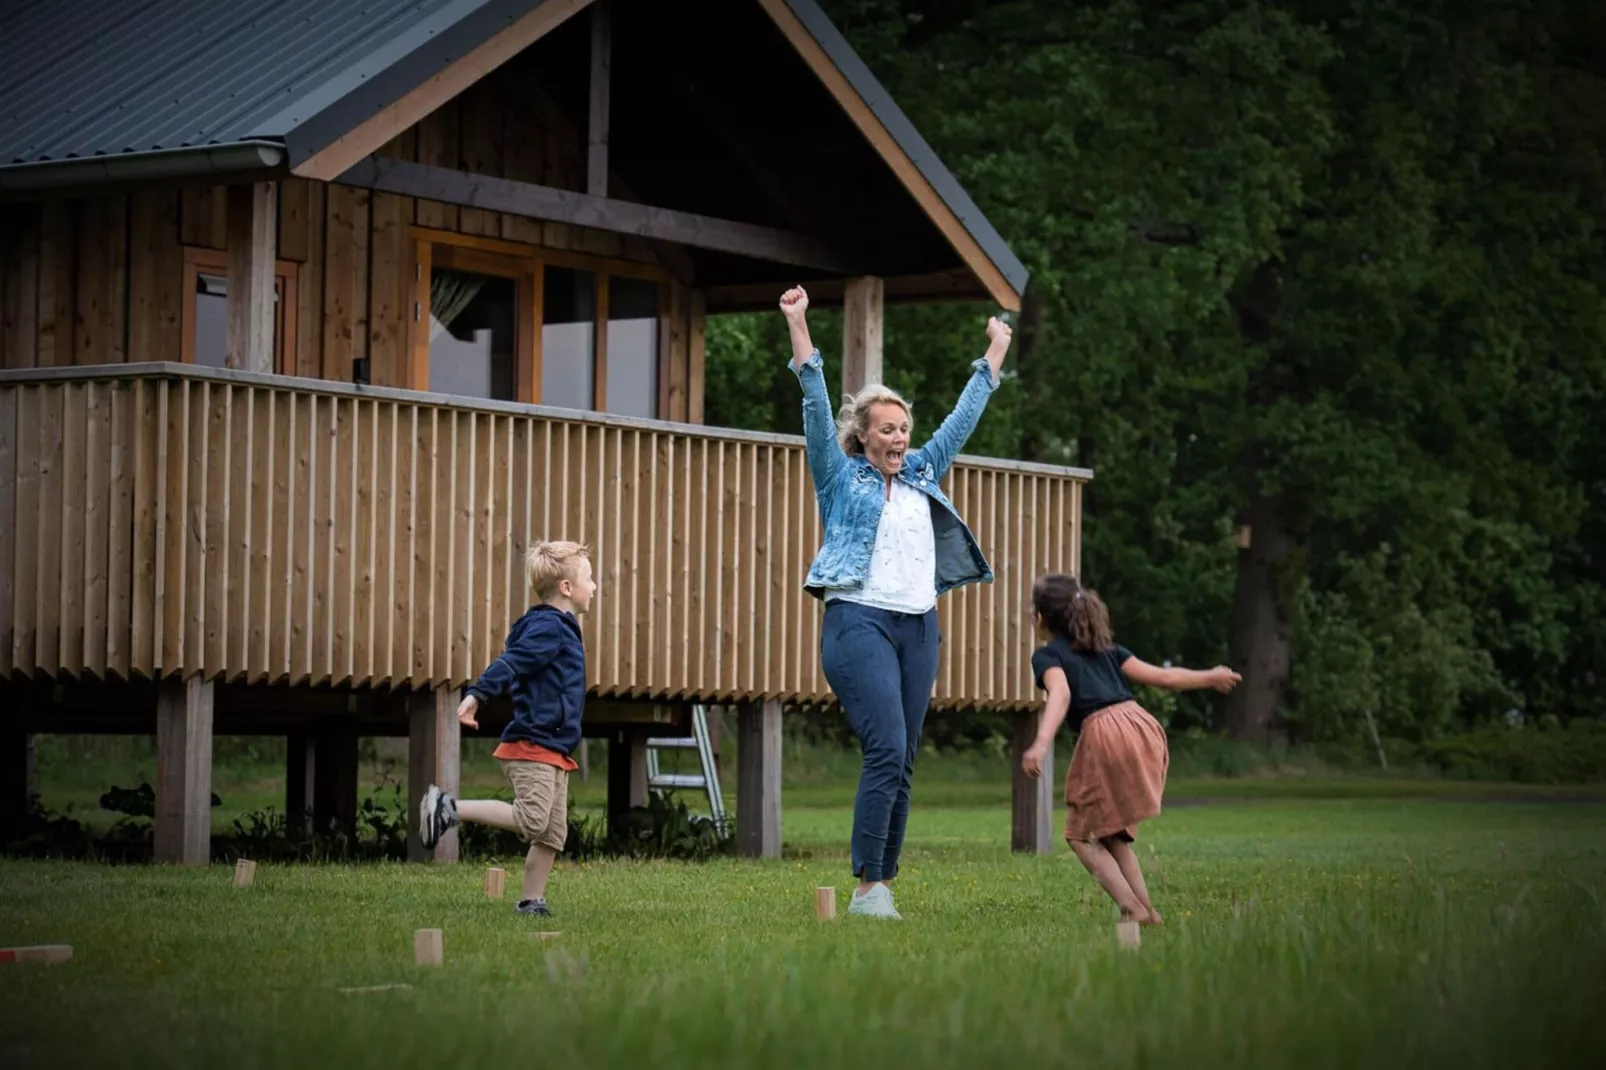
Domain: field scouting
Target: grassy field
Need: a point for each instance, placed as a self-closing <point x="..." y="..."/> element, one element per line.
<point x="1370" y="930"/>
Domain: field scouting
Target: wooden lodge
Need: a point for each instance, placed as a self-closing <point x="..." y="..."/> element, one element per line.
<point x="313" y="316"/>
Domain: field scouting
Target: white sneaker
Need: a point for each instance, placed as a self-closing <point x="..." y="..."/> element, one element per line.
<point x="876" y="903"/>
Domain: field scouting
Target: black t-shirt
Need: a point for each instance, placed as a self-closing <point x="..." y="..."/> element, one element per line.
<point x="1094" y="676"/>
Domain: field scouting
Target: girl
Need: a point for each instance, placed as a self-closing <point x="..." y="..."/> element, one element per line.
<point x="1118" y="769"/>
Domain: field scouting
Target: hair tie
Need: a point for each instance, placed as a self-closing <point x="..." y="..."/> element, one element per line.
<point x="1077" y="597"/>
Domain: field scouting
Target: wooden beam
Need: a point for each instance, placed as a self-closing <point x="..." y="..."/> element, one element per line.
<point x="338" y="156"/>
<point x="863" y="117"/>
<point x="184" y="772"/>
<point x="253" y="214"/>
<point x="600" y="213"/>
<point x="758" y="779"/>
<point x="862" y="303"/>
<point x="334" y="781"/>
<point x="1032" y="811"/>
<point x="627" y="773"/>
<point x="299" y="776"/>
<point x="15" y="781"/>
<point x="597" y="130"/>
<point x="433" y="757"/>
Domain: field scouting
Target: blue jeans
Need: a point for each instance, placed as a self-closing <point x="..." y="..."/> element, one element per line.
<point x="882" y="667"/>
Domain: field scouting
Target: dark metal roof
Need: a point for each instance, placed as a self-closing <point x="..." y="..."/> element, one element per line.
<point x="94" y="78"/>
<point x="119" y="81"/>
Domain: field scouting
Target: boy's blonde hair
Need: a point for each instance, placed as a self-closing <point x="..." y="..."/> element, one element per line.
<point x="853" y="419"/>
<point x="548" y="564"/>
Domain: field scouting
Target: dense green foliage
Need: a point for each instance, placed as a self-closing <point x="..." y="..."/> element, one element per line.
<point x="1333" y="266"/>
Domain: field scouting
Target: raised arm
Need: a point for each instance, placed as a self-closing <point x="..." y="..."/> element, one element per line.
<point x="819" y="424"/>
<point x="1054" y="710"/>
<point x="1220" y="678"/>
<point x="951" y="437"/>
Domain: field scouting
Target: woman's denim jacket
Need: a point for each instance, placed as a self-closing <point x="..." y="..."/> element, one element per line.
<point x="851" y="492"/>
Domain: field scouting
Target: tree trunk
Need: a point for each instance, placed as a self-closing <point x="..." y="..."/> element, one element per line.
<point x="1262" y="632"/>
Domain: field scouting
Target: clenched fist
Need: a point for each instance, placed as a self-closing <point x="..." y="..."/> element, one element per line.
<point x="794" y="303"/>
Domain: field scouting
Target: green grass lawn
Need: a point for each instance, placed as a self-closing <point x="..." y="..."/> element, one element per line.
<point x="1370" y="932"/>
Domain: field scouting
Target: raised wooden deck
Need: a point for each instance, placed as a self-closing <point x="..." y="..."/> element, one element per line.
<point x="166" y="521"/>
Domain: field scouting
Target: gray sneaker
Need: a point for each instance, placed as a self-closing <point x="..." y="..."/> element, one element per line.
<point x="437" y="812"/>
<point x="534" y="906"/>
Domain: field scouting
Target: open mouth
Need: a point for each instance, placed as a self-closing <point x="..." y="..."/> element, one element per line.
<point x="895" y="456"/>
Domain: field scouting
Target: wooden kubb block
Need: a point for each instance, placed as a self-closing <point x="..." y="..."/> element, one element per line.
<point x="825" y="904"/>
<point x="1126" y="934"/>
<point x="428" y="947"/>
<point x="42" y="955"/>
<point x="495" y="880"/>
<point x="245" y="872"/>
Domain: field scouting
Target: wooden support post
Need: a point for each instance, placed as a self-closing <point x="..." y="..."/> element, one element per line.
<point x="429" y="948"/>
<point x="334" y="781"/>
<point x="253" y="216"/>
<point x="299" y="776"/>
<point x="862" y="303"/>
<point x="1032" y="814"/>
<point x="15" y="783"/>
<point x="601" y="79"/>
<point x="184" y="772"/>
<point x="758" y="779"/>
<point x="627" y="772"/>
<point x="433" y="757"/>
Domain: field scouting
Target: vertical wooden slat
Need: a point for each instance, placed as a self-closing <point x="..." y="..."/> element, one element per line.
<point x="482" y="571"/>
<point x="373" y="505"/>
<point x="98" y="528"/>
<point x="281" y="576"/>
<point x="465" y="446"/>
<point x="67" y="601"/>
<point x="334" y="488"/>
<point x="173" y="502"/>
<point x="31" y="402"/>
<point x="347" y="484"/>
<point x="47" y="520"/>
<point x="10" y="398"/>
<point x="244" y="494"/>
<point x="259" y="611"/>
<point x="480" y="151"/>
<point x="143" y="433"/>
<point x="425" y="550"/>
<point x="223" y="526"/>
<point x="401" y="599"/>
<point x="121" y="536"/>
<point x="303" y="489"/>
<point x="663" y="669"/>
<point x="618" y="633"/>
<point x="523" y="160"/>
<point x="198" y="526"/>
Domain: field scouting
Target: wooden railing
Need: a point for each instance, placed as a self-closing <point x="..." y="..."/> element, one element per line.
<point x="162" y="520"/>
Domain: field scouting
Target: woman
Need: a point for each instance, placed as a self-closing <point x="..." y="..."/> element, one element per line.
<point x="893" y="544"/>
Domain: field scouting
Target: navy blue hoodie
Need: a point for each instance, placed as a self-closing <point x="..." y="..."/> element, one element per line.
<point x="543" y="666"/>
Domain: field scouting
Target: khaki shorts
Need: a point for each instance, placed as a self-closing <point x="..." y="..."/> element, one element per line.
<point x="540" y="801"/>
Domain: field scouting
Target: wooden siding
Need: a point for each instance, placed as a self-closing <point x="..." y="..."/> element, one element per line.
<point x="100" y="280"/>
<point x="160" y="522"/>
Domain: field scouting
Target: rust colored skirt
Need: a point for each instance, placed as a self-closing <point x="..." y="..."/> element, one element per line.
<point x="1117" y="773"/>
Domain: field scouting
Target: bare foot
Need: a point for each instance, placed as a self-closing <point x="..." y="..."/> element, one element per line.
<point x="1153" y="918"/>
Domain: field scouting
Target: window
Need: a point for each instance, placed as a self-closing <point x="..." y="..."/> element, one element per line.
<point x="206" y="311"/>
<point x="516" y="322"/>
<point x="569" y="338"/>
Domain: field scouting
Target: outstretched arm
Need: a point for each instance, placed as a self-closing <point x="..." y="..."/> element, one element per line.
<point x="819" y="427"/>
<point x="1059" y="703"/>
<point x="955" y="431"/>
<point x="1220" y="678"/>
<point x="524" y="652"/>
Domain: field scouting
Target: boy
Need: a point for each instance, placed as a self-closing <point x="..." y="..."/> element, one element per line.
<point x="544" y="667"/>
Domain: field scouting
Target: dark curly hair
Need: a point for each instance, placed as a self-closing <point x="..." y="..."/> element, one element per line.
<point x="1072" y="611"/>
